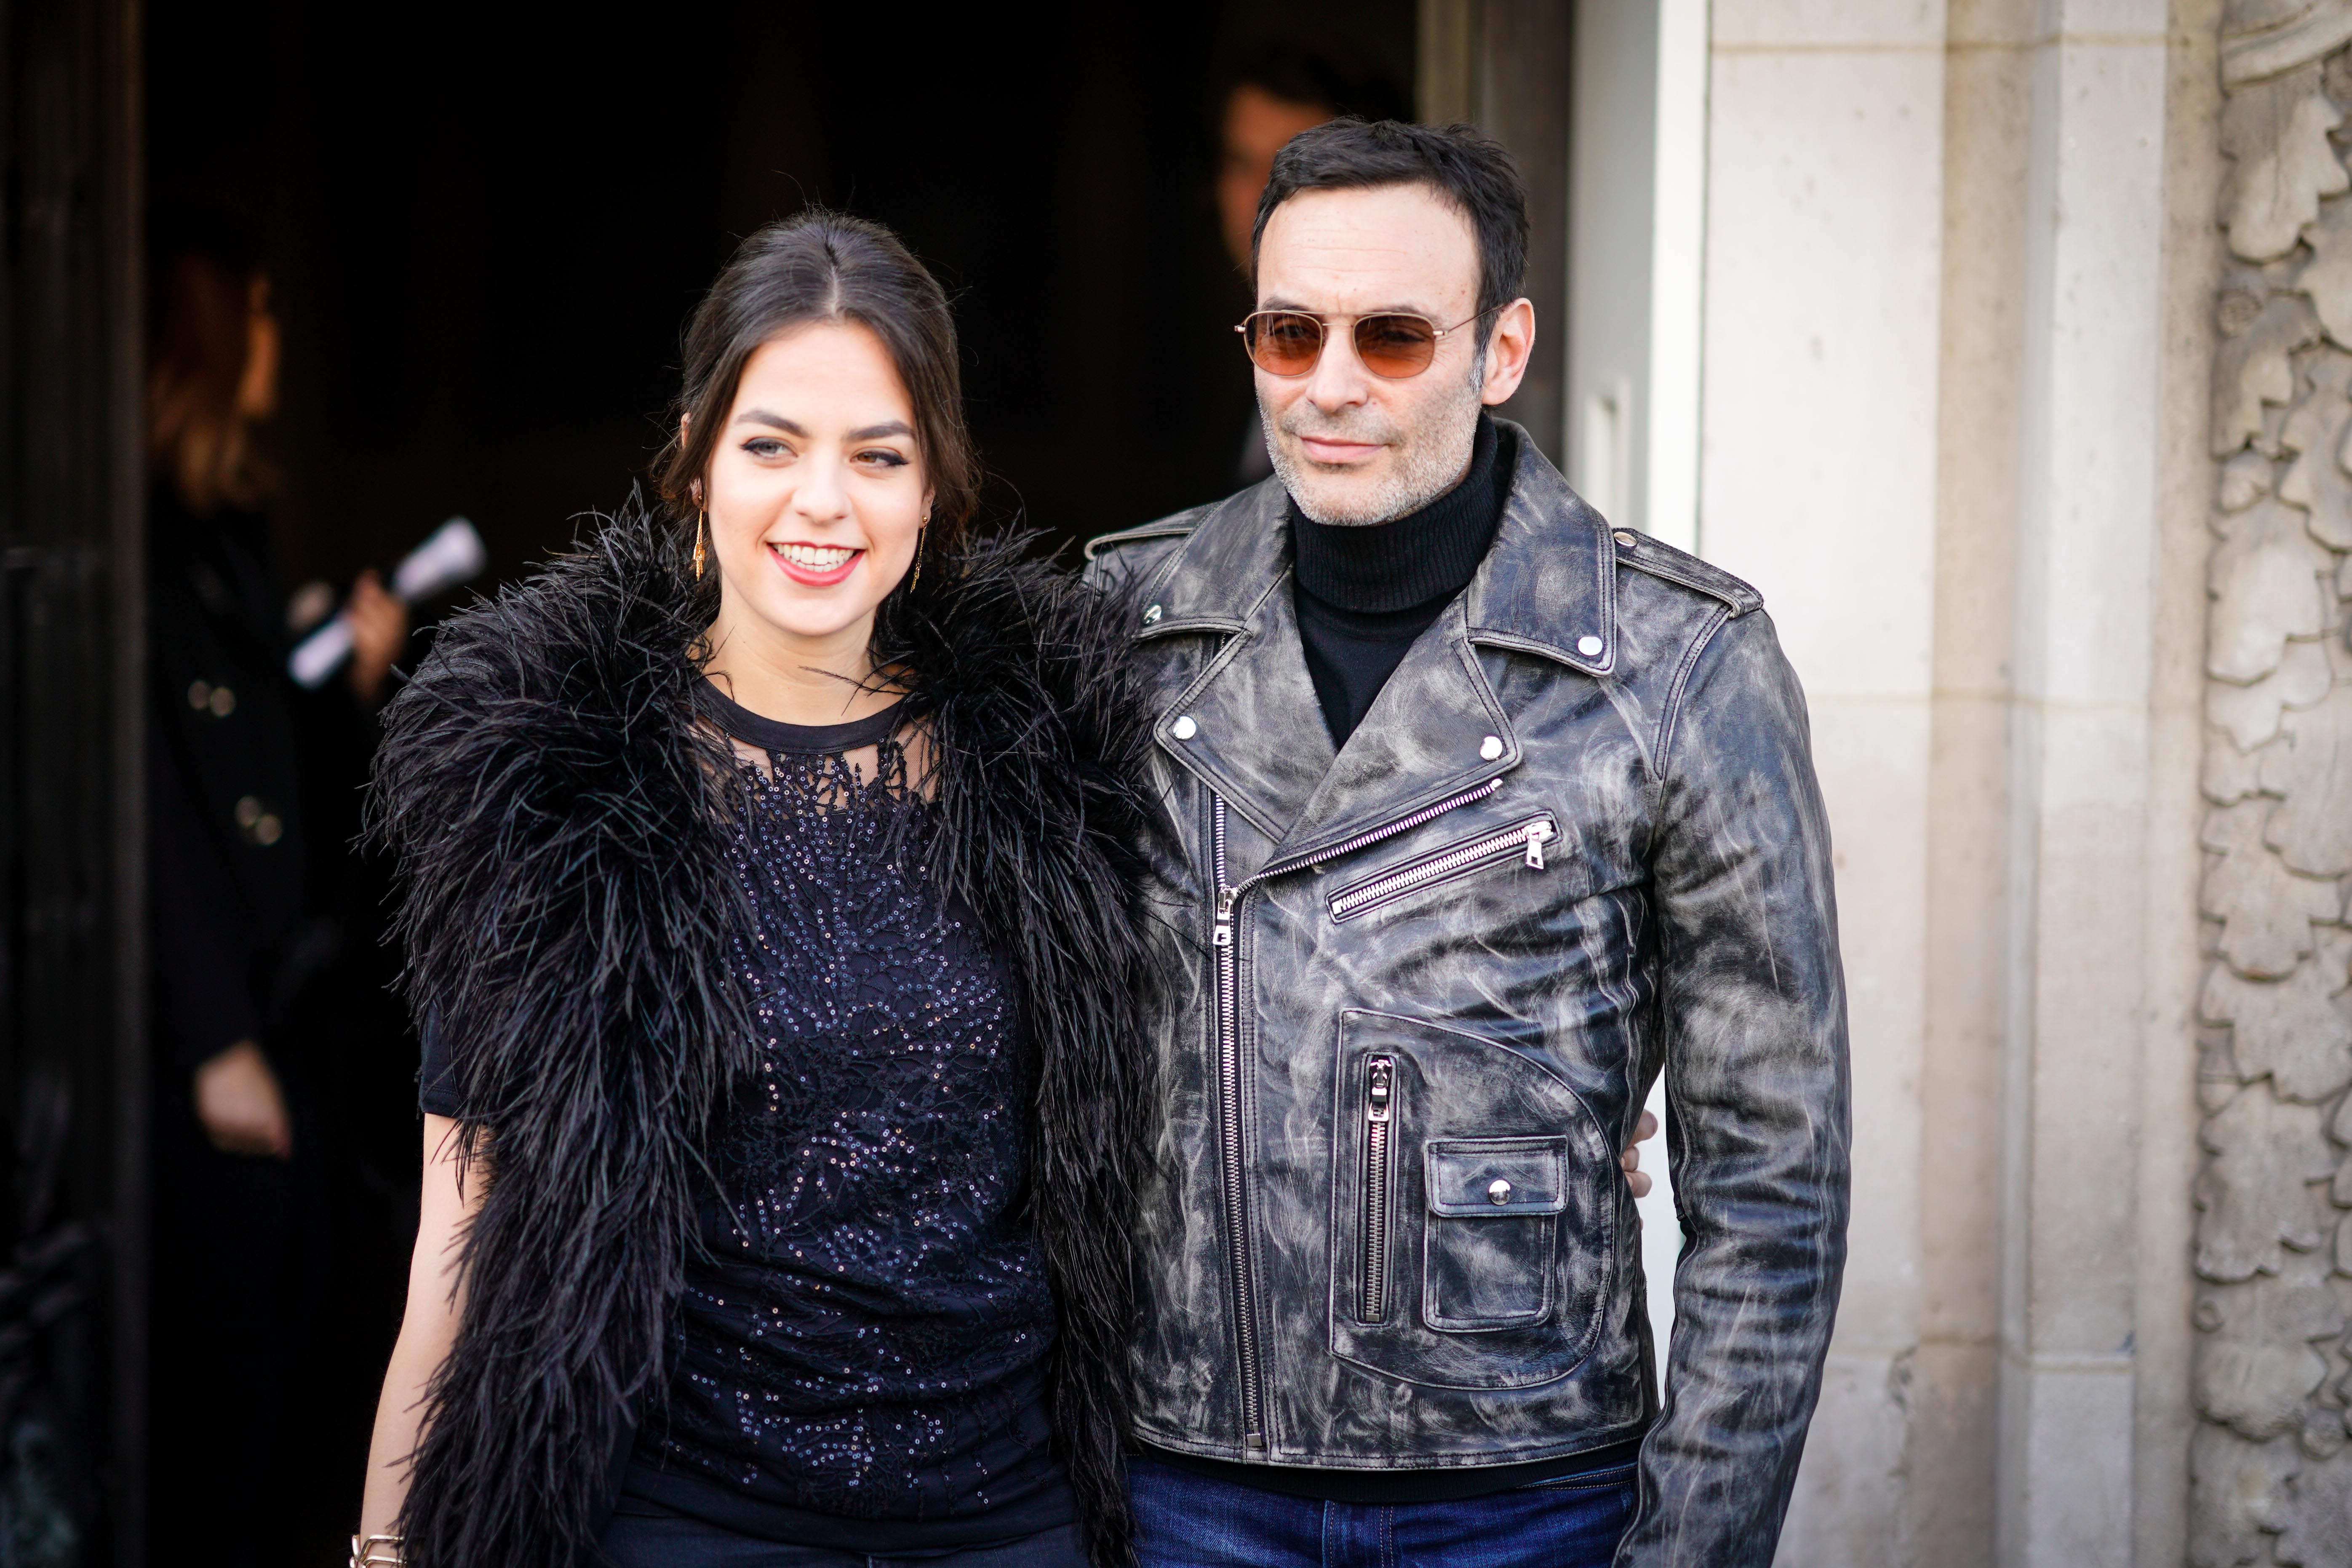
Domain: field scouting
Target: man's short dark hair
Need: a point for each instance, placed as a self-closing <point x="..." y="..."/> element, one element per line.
<point x="1471" y="172"/>
<point x="1331" y="77"/>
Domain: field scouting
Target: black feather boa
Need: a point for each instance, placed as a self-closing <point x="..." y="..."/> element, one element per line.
<point x="559" y="815"/>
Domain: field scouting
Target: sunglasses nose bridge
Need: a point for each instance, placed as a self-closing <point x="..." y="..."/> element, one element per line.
<point x="1339" y="375"/>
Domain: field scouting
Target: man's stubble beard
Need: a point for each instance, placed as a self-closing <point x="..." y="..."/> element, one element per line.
<point x="1425" y="469"/>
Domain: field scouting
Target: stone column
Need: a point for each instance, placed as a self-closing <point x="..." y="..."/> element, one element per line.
<point x="2081" y="763"/>
<point x="2271" y="1471"/>
<point x="1941" y="377"/>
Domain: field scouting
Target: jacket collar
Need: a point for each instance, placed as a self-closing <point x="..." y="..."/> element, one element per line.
<point x="1547" y="587"/>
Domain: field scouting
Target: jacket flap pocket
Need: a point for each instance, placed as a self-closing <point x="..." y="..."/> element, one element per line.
<point x="1478" y="1178"/>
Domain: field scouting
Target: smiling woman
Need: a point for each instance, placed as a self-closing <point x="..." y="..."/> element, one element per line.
<point x="808" y="1078"/>
<point x="816" y="505"/>
<point x="821" y="442"/>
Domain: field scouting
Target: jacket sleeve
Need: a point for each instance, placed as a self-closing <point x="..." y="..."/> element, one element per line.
<point x="1752" y="1001"/>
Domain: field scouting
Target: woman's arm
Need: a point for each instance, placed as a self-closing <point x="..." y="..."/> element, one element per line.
<point x="436" y="1296"/>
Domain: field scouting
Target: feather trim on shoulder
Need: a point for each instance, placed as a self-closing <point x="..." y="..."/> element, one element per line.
<point x="557" y="816"/>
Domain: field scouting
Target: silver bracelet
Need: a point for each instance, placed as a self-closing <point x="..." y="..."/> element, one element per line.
<point x="376" y="1551"/>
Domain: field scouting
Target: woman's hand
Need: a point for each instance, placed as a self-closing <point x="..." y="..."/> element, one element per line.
<point x="1635" y="1177"/>
<point x="379" y="626"/>
<point x="240" y="1104"/>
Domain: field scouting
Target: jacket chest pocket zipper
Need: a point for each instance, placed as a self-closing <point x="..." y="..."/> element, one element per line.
<point x="1526" y="839"/>
<point x="1379" y="1143"/>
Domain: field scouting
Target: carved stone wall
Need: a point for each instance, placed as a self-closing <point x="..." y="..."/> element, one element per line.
<point x="2271" y="1461"/>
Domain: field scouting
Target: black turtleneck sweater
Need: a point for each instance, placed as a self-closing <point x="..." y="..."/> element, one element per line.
<point x="1364" y="593"/>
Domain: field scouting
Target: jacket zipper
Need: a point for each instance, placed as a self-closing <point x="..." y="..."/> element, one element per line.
<point x="1527" y="838"/>
<point x="1380" y="1090"/>
<point x="1228" y="899"/>
<point x="1229" y="1125"/>
<point x="1365" y="840"/>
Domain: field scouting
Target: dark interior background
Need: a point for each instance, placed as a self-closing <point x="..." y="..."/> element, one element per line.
<point x="487" y="235"/>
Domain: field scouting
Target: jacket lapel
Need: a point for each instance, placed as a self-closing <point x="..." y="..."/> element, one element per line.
<point x="1427" y="736"/>
<point x="1249" y="725"/>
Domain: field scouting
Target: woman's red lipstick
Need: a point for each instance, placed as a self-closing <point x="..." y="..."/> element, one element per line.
<point x="808" y="576"/>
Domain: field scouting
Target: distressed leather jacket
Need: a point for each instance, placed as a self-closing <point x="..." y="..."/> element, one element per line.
<point x="1416" y="994"/>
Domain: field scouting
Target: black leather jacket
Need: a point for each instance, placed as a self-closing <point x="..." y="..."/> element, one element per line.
<point x="1418" y="995"/>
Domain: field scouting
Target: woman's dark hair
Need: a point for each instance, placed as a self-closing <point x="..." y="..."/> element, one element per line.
<point x="823" y="265"/>
<point x="1472" y="172"/>
<point x="202" y="291"/>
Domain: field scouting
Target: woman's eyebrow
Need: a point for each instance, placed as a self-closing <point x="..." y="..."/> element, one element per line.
<point x="777" y="422"/>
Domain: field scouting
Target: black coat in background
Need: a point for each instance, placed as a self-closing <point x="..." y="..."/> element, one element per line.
<point x="558" y="811"/>
<point x="263" y="927"/>
<point x="236" y="1237"/>
<point x="232" y="862"/>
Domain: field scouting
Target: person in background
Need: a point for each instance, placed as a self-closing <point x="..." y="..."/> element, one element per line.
<point x="1272" y="92"/>
<point x="237" y="874"/>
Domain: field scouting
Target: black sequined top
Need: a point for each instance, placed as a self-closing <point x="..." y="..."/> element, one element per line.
<point x="857" y="1364"/>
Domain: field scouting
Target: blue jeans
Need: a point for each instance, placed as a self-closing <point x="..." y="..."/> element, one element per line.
<point x="644" y="1536"/>
<point x="1188" y="1520"/>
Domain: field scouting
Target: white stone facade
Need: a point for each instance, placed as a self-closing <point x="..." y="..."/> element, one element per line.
<point x="2271" y="1474"/>
<point x="2025" y="396"/>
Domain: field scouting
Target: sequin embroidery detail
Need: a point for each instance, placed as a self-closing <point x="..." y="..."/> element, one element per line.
<point x="864" y="1341"/>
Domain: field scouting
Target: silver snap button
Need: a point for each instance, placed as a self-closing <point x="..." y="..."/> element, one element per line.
<point x="1588" y="645"/>
<point x="1183" y="729"/>
<point x="1500" y="1193"/>
<point x="1491" y="747"/>
<point x="1152" y="616"/>
<point x="1625" y="536"/>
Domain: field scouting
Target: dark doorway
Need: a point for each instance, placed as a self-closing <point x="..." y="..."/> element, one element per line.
<point x="484" y="237"/>
<point x="72" y="1014"/>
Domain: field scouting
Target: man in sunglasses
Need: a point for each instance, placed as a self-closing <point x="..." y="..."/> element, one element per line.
<point x="1485" y="815"/>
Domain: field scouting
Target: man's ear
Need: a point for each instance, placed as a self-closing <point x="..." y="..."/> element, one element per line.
<point x="1508" y="347"/>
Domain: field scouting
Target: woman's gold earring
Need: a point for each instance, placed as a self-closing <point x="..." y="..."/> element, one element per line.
<point x="920" y="528"/>
<point x="698" y="517"/>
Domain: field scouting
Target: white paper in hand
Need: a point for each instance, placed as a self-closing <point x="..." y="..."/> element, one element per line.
<point x="320" y="654"/>
<point x="453" y="554"/>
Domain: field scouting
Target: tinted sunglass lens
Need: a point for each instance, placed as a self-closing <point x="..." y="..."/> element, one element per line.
<point x="1395" y="345"/>
<point x="1284" y="342"/>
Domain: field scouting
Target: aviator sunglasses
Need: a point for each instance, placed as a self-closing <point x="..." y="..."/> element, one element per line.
<point x="1393" y="344"/>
